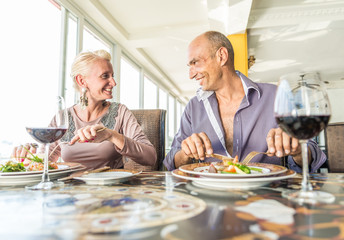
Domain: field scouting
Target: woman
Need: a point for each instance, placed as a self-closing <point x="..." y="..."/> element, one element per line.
<point x="100" y="133"/>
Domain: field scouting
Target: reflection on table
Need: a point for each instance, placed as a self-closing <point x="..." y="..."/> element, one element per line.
<point x="157" y="205"/>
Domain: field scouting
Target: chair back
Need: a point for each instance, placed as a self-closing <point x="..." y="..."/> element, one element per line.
<point x="152" y="122"/>
<point x="334" y="138"/>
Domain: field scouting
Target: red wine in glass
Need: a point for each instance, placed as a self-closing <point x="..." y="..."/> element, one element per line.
<point x="49" y="134"/>
<point x="46" y="135"/>
<point x="303" y="127"/>
<point x="302" y="110"/>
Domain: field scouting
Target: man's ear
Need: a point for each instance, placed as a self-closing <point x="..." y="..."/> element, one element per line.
<point x="222" y="54"/>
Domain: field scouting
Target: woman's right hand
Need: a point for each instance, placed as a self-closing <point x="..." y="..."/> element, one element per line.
<point x="20" y="152"/>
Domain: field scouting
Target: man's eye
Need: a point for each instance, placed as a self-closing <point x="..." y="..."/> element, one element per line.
<point x="105" y="76"/>
<point x="193" y="63"/>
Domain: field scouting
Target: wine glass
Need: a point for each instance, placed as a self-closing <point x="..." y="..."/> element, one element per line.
<point x="302" y="110"/>
<point x="47" y="135"/>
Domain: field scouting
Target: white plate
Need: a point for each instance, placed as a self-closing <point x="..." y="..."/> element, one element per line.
<point x="22" y="180"/>
<point x="61" y="167"/>
<point x="202" y="170"/>
<point x="19" y="183"/>
<point x="231" y="183"/>
<point x="110" y="177"/>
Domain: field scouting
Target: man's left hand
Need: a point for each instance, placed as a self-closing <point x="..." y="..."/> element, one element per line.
<point x="280" y="144"/>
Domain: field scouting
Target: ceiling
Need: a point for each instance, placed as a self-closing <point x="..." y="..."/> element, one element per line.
<point x="283" y="36"/>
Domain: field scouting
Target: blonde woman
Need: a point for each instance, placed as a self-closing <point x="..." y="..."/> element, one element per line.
<point x="100" y="132"/>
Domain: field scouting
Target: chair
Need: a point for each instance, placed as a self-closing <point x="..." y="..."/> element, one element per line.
<point x="334" y="139"/>
<point x="152" y="122"/>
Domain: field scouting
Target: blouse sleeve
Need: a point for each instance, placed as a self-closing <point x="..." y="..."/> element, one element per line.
<point x="136" y="144"/>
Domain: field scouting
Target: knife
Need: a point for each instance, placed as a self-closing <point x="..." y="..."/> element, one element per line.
<point x="78" y="174"/>
<point x="221" y="157"/>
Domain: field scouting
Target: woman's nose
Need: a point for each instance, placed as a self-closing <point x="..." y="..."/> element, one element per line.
<point x="112" y="81"/>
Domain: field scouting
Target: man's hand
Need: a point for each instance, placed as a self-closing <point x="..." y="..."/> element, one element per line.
<point x="280" y="144"/>
<point x="196" y="146"/>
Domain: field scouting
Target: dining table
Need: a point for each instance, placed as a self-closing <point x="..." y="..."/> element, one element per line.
<point x="159" y="205"/>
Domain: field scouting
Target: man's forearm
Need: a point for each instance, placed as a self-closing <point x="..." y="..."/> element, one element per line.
<point x="298" y="158"/>
<point x="181" y="159"/>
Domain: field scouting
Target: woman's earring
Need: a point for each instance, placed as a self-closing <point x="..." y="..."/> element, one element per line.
<point x="83" y="99"/>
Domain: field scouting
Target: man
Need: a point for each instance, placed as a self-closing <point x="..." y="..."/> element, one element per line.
<point x="231" y="115"/>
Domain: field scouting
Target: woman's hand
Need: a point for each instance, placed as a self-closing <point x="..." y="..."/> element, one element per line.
<point x="98" y="133"/>
<point x="20" y="152"/>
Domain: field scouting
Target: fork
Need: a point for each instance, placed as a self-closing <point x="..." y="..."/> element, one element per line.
<point x="99" y="130"/>
<point x="246" y="160"/>
<point x="251" y="155"/>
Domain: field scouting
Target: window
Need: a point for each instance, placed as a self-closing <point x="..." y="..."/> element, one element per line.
<point x="30" y="51"/>
<point x="70" y="55"/>
<point x="149" y="94"/>
<point x="31" y="55"/>
<point x="92" y="42"/>
<point x="129" y="85"/>
<point x="162" y="99"/>
<point x="171" y="115"/>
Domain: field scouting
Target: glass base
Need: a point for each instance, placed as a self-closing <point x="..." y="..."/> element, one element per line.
<point x="44" y="186"/>
<point x="310" y="197"/>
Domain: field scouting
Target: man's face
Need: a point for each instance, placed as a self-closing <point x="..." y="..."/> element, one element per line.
<point x="203" y="64"/>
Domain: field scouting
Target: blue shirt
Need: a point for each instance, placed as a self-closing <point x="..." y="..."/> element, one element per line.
<point x="252" y="122"/>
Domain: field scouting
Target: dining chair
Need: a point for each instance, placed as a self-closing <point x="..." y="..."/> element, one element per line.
<point x="334" y="139"/>
<point x="152" y="122"/>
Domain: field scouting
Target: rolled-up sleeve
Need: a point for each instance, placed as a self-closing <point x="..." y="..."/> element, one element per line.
<point x="318" y="157"/>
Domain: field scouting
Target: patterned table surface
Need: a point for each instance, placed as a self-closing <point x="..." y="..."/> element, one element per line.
<point x="156" y="205"/>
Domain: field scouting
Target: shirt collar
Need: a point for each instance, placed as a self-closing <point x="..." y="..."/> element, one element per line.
<point x="246" y="83"/>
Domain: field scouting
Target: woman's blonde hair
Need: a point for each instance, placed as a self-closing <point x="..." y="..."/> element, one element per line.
<point x="83" y="60"/>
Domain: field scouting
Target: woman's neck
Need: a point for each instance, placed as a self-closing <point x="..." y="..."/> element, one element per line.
<point x="92" y="111"/>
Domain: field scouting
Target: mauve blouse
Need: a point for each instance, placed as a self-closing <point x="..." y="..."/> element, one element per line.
<point x="95" y="155"/>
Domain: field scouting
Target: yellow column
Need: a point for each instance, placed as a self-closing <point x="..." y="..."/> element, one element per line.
<point x="239" y="43"/>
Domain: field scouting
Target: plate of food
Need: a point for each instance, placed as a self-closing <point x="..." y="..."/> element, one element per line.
<point x="232" y="170"/>
<point x="108" y="177"/>
<point x="12" y="167"/>
<point x="36" y="177"/>
<point x="231" y="183"/>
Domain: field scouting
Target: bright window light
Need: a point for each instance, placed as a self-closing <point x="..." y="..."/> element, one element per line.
<point x="130" y="85"/>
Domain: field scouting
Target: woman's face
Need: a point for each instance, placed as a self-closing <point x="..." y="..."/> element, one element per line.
<point x="100" y="81"/>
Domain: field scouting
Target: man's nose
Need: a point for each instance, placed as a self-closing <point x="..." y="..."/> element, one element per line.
<point x="192" y="73"/>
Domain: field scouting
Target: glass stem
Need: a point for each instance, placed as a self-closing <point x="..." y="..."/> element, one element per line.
<point x="45" y="176"/>
<point x="306" y="185"/>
